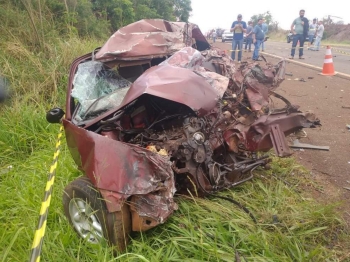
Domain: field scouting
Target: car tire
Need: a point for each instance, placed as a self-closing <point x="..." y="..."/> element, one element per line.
<point x="87" y="213"/>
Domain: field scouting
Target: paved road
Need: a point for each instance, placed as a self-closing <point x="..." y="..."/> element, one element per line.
<point x="341" y="55"/>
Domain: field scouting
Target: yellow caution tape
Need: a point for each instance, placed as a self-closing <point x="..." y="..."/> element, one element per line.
<point x="40" y="231"/>
<point x="336" y="50"/>
<point x="340" y="51"/>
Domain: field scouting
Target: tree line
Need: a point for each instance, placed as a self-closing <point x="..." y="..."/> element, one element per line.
<point x="100" y="17"/>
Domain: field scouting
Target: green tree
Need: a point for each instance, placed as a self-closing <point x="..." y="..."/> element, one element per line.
<point x="117" y="12"/>
<point x="267" y="16"/>
<point x="273" y="25"/>
<point x="182" y="9"/>
<point x="164" y="8"/>
<point x="143" y="10"/>
<point x="95" y="17"/>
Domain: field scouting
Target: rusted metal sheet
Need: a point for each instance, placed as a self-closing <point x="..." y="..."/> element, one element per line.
<point x="256" y="137"/>
<point x="123" y="169"/>
<point x="151" y="37"/>
<point x="176" y="84"/>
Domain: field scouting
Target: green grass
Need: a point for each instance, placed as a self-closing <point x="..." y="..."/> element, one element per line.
<point x="201" y="230"/>
<point x="281" y="36"/>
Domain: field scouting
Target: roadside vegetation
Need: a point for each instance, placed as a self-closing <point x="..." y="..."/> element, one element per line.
<point x="281" y="36"/>
<point x="337" y="34"/>
<point x="35" y="53"/>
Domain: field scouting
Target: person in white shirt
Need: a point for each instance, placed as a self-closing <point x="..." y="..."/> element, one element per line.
<point x="319" y="35"/>
<point x="312" y="32"/>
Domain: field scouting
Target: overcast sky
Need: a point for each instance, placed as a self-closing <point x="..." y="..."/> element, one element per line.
<point x="208" y="14"/>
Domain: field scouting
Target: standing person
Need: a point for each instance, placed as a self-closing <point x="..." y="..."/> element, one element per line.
<point x="214" y="36"/>
<point x="238" y="28"/>
<point x="249" y="37"/>
<point x="319" y="35"/>
<point x="298" y="31"/>
<point x="258" y="38"/>
<point x="265" y="28"/>
<point x="312" y="32"/>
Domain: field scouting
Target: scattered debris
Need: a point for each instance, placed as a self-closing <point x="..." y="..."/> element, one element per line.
<point x="275" y="219"/>
<point x="346" y="107"/>
<point x="302" y="80"/>
<point x="310" y="77"/>
<point x="289" y="74"/>
<point x="297" y="144"/>
<point x="300" y="133"/>
<point x="348" y="126"/>
<point x="347" y="188"/>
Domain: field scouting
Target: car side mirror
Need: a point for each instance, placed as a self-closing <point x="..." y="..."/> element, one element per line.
<point x="54" y="116"/>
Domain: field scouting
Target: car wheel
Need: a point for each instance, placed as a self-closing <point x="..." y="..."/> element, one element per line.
<point x="88" y="214"/>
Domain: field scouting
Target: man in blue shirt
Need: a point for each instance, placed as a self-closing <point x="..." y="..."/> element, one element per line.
<point x="238" y="28"/>
<point x="258" y="38"/>
<point x="265" y="28"/>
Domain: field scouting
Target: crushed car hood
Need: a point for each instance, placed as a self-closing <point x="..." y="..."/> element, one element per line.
<point x="151" y="37"/>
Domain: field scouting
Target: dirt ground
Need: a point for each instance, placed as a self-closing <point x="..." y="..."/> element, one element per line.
<point x="329" y="98"/>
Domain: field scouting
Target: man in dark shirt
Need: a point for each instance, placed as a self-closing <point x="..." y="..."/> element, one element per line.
<point x="238" y="28"/>
<point x="258" y="38"/>
<point x="299" y="28"/>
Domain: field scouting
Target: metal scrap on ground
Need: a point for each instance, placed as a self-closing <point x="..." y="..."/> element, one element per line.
<point x="297" y="144"/>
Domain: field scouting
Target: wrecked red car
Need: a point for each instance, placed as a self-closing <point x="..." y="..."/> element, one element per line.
<point x="156" y="111"/>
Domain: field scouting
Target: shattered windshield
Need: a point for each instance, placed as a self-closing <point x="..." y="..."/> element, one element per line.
<point x="98" y="89"/>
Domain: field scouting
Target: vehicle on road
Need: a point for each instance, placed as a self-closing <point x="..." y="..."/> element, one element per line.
<point x="152" y="113"/>
<point x="227" y="36"/>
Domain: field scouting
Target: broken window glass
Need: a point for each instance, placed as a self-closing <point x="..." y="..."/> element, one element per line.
<point x="98" y="89"/>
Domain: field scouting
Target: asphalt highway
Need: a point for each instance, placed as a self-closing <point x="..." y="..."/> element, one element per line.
<point x="341" y="55"/>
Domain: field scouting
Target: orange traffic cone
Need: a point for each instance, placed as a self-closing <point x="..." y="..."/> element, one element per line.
<point x="328" y="68"/>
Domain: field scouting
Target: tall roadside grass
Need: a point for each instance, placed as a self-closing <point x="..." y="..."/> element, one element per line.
<point x="279" y="36"/>
<point x="291" y="225"/>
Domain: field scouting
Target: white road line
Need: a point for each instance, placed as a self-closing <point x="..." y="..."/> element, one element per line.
<point x="304" y="64"/>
